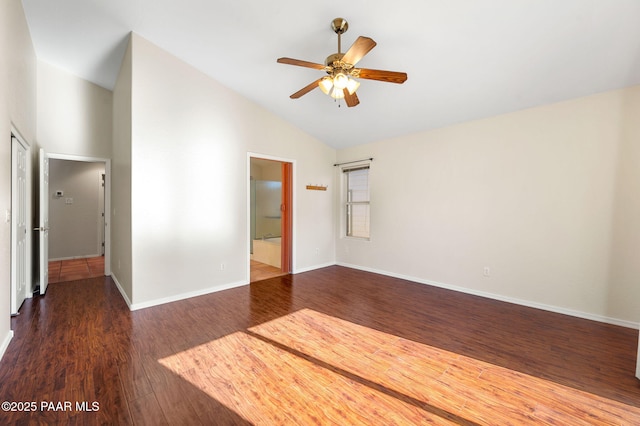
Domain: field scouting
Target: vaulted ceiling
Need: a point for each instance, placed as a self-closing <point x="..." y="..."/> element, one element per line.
<point x="466" y="59"/>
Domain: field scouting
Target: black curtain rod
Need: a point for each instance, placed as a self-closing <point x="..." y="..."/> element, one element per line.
<point x="356" y="161"/>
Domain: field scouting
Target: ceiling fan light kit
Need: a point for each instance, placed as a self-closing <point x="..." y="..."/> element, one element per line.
<point x="340" y="82"/>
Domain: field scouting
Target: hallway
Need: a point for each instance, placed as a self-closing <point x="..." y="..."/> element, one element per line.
<point x="75" y="269"/>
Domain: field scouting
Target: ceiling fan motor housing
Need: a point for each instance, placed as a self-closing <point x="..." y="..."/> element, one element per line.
<point x="339" y="25"/>
<point x="336" y="57"/>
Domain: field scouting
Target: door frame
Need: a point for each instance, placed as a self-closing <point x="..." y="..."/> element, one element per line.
<point x="287" y="219"/>
<point x="290" y="213"/>
<point x="43" y="221"/>
<point x="15" y="134"/>
<point x="107" y="199"/>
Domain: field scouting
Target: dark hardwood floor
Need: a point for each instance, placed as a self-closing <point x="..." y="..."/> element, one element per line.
<point x="332" y="346"/>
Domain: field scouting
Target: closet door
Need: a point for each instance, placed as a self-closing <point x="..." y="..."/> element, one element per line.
<point x="19" y="245"/>
<point x="638" y="361"/>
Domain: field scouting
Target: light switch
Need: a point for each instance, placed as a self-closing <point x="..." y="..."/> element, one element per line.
<point x="68" y="200"/>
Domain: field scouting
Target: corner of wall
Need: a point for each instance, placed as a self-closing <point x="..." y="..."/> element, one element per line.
<point x="5" y="343"/>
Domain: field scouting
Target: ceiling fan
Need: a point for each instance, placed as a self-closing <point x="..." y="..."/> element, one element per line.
<point x="340" y="81"/>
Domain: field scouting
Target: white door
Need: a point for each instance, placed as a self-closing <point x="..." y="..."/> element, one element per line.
<point x="638" y="363"/>
<point x="44" y="221"/>
<point x="101" y="218"/>
<point x="18" y="225"/>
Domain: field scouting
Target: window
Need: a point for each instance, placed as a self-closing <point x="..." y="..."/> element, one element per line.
<point x="357" y="201"/>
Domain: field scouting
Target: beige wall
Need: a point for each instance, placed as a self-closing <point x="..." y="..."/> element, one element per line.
<point x="17" y="108"/>
<point x="74" y="116"/>
<point x="121" y="266"/>
<point x="191" y="138"/>
<point x="546" y="197"/>
<point x="624" y="267"/>
<point x="266" y="170"/>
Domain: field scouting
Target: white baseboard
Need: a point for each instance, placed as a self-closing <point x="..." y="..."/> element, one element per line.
<point x="182" y="296"/>
<point x="5" y="343"/>
<point x="530" y="304"/>
<point x="88" y="256"/>
<point x="313" y="268"/>
<point x="121" y="290"/>
<point x="527" y="303"/>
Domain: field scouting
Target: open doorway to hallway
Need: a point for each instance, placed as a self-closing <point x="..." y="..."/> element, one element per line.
<point x="270" y="196"/>
<point x="77" y="207"/>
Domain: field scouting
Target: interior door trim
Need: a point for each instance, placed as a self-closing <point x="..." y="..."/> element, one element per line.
<point x="291" y="212"/>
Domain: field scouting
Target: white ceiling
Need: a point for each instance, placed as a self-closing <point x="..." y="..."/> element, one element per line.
<point x="466" y="59"/>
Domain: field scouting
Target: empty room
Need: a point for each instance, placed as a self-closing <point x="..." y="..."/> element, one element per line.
<point x="320" y="212"/>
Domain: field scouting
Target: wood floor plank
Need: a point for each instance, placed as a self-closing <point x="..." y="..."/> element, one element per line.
<point x="261" y="271"/>
<point x="147" y="411"/>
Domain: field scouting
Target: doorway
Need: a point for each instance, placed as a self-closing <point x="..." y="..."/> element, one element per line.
<point x="270" y="217"/>
<point x="75" y="203"/>
<point x="76" y="209"/>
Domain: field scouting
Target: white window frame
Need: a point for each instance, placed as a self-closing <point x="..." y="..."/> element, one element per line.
<point x="347" y="203"/>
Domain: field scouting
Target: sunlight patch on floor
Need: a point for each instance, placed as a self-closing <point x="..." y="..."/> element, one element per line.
<point x="308" y="367"/>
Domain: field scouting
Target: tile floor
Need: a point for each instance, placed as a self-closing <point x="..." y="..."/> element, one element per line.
<point x="75" y="269"/>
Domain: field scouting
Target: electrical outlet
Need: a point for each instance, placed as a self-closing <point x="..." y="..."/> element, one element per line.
<point x="487" y="271"/>
<point x="222" y="266"/>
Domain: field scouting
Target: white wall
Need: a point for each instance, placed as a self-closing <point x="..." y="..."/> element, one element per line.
<point x="546" y="197"/>
<point x="74" y="218"/>
<point x="121" y="267"/>
<point x="190" y="139"/>
<point x="17" y="108"/>
<point x="74" y="115"/>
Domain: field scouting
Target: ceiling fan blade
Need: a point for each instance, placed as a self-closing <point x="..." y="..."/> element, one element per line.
<point x="306" y="89"/>
<point x="351" y="100"/>
<point x="387" y="76"/>
<point x="358" y="49"/>
<point x="298" y="62"/>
